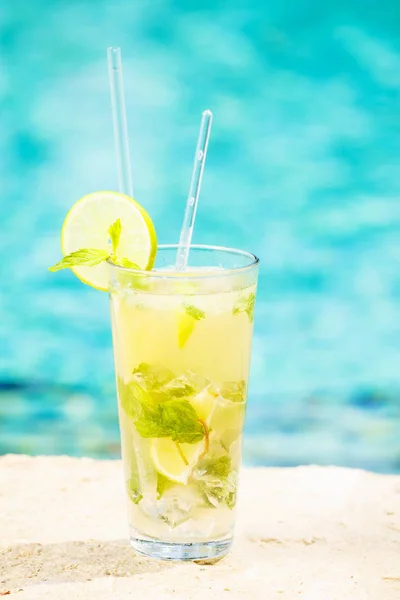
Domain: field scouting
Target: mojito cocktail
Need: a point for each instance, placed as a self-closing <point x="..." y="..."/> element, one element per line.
<point x="182" y="321"/>
<point x="182" y="351"/>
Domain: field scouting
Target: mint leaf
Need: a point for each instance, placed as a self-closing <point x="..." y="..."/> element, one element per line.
<point x="145" y="386"/>
<point x="235" y="391"/>
<point x="114" y="232"/>
<point x="194" y="312"/>
<point x="133" y="489"/>
<point x="149" y="423"/>
<point x="176" y="419"/>
<point x="181" y="420"/>
<point x="187" y="321"/>
<point x="131" y="397"/>
<point x="87" y="257"/>
<point x="125" y="262"/>
<point x="163" y="484"/>
<point x="217" y="467"/>
<point x="246" y="305"/>
<point x="115" y="236"/>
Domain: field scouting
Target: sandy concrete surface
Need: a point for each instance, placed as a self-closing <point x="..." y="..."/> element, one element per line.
<point x="309" y="533"/>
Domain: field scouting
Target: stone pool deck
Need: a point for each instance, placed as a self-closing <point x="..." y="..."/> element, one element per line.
<point x="311" y="533"/>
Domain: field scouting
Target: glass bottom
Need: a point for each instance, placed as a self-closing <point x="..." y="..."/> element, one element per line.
<point x="160" y="550"/>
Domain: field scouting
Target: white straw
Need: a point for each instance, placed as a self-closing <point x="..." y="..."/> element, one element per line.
<point x="194" y="191"/>
<point x="119" y="121"/>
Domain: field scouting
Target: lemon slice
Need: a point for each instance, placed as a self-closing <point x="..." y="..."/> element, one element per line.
<point x="168" y="459"/>
<point x="86" y="226"/>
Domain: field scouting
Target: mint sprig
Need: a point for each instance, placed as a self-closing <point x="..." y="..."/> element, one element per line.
<point x="87" y="257"/>
<point x="246" y="305"/>
<point x="114" y="232"/>
<point x="90" y="257"/>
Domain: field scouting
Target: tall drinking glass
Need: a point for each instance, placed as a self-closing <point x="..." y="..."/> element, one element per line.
<point x="182" y="343"/>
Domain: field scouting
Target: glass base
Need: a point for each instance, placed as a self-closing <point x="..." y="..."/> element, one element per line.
<point x="160" y="550"/>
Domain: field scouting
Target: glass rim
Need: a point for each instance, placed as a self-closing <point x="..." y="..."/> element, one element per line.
<point x="254" y="261"/>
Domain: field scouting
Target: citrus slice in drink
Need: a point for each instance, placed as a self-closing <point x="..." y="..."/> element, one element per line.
<point x="87" y="224"/>
<point x="175" y="461"/>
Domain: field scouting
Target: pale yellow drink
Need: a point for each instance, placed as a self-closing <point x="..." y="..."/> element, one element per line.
<point x="182" y="352"/>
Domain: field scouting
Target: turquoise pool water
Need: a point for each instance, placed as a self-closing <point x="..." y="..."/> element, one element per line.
<point x="303" y="170"/>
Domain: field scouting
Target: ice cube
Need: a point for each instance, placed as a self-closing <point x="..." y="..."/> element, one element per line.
<point x="152" y="377"/>
<point x="199" y="382"/>
<point x="180" y="387"/>
<point x="186" y="385"/>
<point x="199" y="527"/>
<point x="214" y="493"/>
<point x="234" y="391"/>
<point x="221" y="492"/>
<point x="178" y="503"/>
<point x="217" y="481"/>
